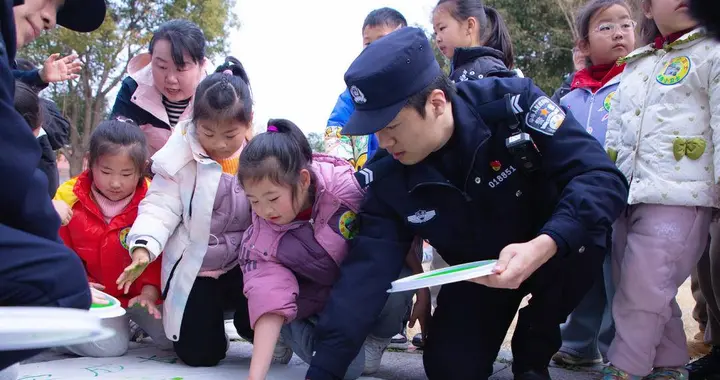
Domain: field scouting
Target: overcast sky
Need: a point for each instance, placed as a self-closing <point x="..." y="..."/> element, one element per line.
<point x="296" y="52"/>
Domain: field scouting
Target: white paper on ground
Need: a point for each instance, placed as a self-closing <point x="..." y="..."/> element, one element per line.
<point x="150" y="364"/>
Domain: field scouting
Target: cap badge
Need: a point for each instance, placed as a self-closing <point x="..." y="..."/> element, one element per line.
<point x="357" y="95"/>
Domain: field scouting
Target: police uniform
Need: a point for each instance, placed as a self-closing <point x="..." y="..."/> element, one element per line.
<point x="515" y="167"/>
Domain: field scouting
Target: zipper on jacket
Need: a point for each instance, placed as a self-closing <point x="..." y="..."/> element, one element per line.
<point x="590" y="109"/>
<point x="172" y="273"/>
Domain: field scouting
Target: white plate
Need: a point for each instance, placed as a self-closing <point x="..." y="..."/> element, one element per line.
<point x="455" y="273"/>
<point x="24" y="328"/>
<point x="111" y="310"/>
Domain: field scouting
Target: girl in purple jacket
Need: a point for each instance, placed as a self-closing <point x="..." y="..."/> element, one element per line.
<point x="304" y="209"/>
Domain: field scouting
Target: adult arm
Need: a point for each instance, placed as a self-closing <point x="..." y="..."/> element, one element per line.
<point x="593" y="192"/>
<point x="376" y="257"/>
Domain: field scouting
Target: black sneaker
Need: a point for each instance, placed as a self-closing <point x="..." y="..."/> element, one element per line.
<point x="418" y="341"/>
<point x="534" y="375"/>
<point x="707" y="367"/>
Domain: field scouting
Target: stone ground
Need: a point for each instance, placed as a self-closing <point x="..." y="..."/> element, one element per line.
<point x="146" y="363"/>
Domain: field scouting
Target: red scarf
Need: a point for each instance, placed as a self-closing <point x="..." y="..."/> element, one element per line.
<point x="305" y="214"/>
<point x="660" y="41"/>
<point x="595" y="77"/>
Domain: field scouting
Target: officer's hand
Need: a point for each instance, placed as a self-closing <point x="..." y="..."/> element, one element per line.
<point x="518" y="261"/>
<point x="140" y="261"/>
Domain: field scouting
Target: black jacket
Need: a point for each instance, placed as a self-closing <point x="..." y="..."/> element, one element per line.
<point x="469" y="200"/>
<point x="24" y="204"/>
<point x="564" y="89"/>
<point x="477" y="63"/>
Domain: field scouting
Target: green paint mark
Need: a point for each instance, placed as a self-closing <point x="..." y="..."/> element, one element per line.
<point x="111" y="302"/>
<point x="457" y="269"/>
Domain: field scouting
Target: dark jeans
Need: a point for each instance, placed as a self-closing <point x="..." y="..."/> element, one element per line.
<point x="471" y="320"/>
<point x="38" y="272"/>
<point x="202" y="332"/>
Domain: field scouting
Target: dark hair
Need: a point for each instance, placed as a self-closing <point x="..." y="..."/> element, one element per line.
<point x="27" y="103"/>
<point x="278" y="155"/>
<point x="419" y="100"/>
<point x="114" y="136"/>
<point x="590" y="9"/>
<point x="708" y="13"/>
<point x="222" y="96"/>
<point x="184" y="36"/>
<point x="384" y="17"/>
<point x="25" y="64"/>
<point x="648" y="29"/>
<point x="494" y="32"/>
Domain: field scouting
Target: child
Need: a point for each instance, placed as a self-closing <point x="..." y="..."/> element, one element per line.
<point x="104" y="201"/>
<point x="195" y="213"/>
<point x="475" y="38"/>
<point x="359" y="149"/>
<point x="663" y="134"/>
<point x="304" y="209"/>
<point x="607" y="33"/>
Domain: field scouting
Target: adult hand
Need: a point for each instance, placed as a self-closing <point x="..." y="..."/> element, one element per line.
<point x="56" y="69"/>
<point x="63" y="210"/>
<point x="518" y="261"/>
<point x="421" y="311"/>
<point x="140" y="261"/>
<point x="97" y="297"/>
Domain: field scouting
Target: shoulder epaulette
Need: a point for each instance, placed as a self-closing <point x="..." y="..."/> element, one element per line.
<point x="378" y="167"/>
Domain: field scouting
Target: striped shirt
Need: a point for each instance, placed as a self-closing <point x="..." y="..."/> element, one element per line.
<point x="175" y="109"/>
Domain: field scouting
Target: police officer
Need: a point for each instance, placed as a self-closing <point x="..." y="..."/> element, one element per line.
<point x="491" y="169"/>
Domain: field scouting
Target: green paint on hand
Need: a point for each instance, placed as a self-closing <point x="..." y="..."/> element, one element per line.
<point x="460" y="268"/>
<point x="111" y="302"/>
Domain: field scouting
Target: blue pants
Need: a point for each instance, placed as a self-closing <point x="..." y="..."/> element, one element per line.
<point x="589" y="328"/>
<point x="38" y="272"/>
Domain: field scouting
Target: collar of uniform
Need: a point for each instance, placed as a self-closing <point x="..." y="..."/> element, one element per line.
<point x="470" y="132"/>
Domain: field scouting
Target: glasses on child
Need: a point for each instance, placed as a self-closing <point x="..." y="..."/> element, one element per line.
<point x="610" y="28"/>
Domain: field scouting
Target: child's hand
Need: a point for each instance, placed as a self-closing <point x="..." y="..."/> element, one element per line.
<point x="147" y="300"/>
<point x="421" y="311"/>
<point x="97" y="297"/>
<point x="63" y="210"/>
<point x="140" y="261"/>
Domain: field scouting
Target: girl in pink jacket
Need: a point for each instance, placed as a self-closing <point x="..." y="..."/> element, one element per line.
<point x="304" y="208"/>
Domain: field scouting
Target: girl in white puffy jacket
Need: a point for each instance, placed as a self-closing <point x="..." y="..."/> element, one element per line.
<point x="663" y="133"/>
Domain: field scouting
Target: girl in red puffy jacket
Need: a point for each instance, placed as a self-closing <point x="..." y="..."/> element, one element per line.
<point x="104" y="203"/>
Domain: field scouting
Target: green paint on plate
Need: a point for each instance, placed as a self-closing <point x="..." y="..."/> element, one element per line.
<point x="99" y="306"/>
<point x="456" y="269"/>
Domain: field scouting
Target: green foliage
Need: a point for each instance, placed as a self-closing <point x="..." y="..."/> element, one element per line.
<point x="542" y="38"/>
<point x="317" y="142"/>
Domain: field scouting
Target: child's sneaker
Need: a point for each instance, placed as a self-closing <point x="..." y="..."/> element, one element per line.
<point x="283" y="353"/>
<point x="374" y="350"/>
<point x="567" y="359"/>
<point x="612" y="373"/>
<point x="418" y="341"/>
<point x="679" y="373"/>
<point x="399" y="342"/>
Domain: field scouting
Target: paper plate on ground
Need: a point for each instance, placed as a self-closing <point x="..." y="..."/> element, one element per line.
<point x="111" y="310"/>
<point x="24" y="328"/>
<point x="455" y="273"/>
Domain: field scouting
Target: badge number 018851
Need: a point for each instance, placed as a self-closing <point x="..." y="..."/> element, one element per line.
<point x="505" y="174"/>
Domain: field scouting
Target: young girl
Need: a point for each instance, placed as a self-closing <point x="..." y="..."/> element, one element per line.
<point x="158" y="91"/>
<point x="195" y="212"/>
<point x="104" y="201"/>
<point x="304" y="207"/>
<point x="663" y="133"/>
<point x="475" y="38"/>
<point x="607" y="33"/>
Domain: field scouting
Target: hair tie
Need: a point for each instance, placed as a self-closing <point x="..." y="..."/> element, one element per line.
<point x="228" y="72"/>
<point x="272" y="129"/>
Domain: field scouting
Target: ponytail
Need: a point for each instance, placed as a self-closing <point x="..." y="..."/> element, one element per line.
<point x="225" y="95"/>
<point x="497" y="36"/>
<point x="279" y="155"/>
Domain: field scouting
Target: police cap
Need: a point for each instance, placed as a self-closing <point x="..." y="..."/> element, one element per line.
<point x="385" y="75"/>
